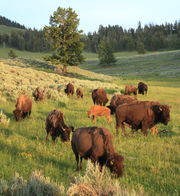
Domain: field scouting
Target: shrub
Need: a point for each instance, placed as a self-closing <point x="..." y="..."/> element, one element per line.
<point x="98" y="183"/>
<point x="37" y="185"/>
<point x="4" y="120"/>
<point x="12" y="54"/>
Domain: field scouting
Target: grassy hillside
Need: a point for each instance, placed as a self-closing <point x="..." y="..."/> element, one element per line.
<point x="6" y="29"/>
<point x="153" y="65"/>
<point x="151" y="162"/>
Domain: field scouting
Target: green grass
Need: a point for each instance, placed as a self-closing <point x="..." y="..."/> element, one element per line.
<point x="158" y="65"/>
<point x="7" y="30"/>
<point x="151" y="162"/>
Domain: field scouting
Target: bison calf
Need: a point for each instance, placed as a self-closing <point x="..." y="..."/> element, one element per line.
<point x="95" y="143"/>
<point x="97" y="110"/>
<point x="55" y="126"/>
<point x="23" y="107"/>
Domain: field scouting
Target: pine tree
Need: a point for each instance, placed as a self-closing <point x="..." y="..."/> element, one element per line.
<point x="105" y="53"/>
<point x="140" y="47"/>
<point x="12" y="54"/>
<point x="64" y="37"/>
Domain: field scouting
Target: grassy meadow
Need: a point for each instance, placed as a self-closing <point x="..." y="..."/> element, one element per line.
<point x="151" y="163"/>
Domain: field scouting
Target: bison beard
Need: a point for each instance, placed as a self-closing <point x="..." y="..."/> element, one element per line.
<point x="95" y="143"/>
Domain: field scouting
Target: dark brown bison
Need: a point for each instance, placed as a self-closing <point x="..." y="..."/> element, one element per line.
<point x="129" y="89"/>
<point x="38" y="94"/>
<point x="99" y="96"/>
<point x="55" y="126"/>
<point x="118" y="99"/>
<point x="142" y="88"/>
<point x="23" y="107"/>
<point x="95" y="143"/>
<point x="141" y="115"/>
<point x="69" y="89"/>
<point x="79" y="93"/>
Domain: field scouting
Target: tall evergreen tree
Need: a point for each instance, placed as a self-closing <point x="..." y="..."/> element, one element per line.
<point x="105" y="53"/>
<point x="64" y="36"/>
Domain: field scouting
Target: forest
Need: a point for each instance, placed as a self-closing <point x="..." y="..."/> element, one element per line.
<point x="151" y="37"/>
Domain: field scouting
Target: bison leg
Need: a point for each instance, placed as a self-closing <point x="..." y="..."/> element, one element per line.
<point x="109" y="118"/>
<point x="77" y="161"/>
<point x="81" y="163"/>
<point x="94" y="118"/>
<point x="144" y="130"/>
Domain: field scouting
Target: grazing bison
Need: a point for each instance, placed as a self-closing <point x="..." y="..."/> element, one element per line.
<point x="130" y="89"/>
<point x="97" y="110"/>
<point x="69" y="89"/>
<point x="38" y="94"/>
<point x="55" y="126"/>
<point x="23" y="107"/>
<point x="99" y="96"/>
<point x="141" y="115"/>
<point x="142" y="88"/>
<point x="79" y="93"/>
<point x="118" y="99"/>
<point x="95" y="143"/>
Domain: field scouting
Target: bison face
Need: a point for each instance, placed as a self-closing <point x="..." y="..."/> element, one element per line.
<point x="65" y="133"/>
<point x="18" y="114"/>
<point x="89" y="114"/>
<point x="162" y="113"/>
<point x="116" y="164"/>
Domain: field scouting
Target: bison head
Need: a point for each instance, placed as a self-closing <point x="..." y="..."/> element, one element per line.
<point x="116" y="164"/>
<point x="65" y="133"/>
<point x="162" y="113"/>
<point x="112" y="108"/>
<point x="18" y="114"/>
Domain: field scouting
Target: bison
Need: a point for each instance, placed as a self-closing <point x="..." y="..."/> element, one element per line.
<point x="129" y="89"/>
<point x="69" y="90"/>
<point x="141" y="115"/>
<point x="118" y="99"/>
<point x="99" y="96"/>
<point x="55" y="126"/>
<point x="38" y="94"/>
<point x="142" y="88"/>
<point x="95" y="143"/>
<point x="79" y="93"/>
<point x="23" y="107"/>
<point x="97" y="110"/>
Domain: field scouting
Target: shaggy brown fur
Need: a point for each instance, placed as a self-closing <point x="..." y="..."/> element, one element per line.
<point x="95" y="143"/>
<point x="142" y="88"/>
<point x="130" y="89"/>
<point x="118" y="99"/>
<point x="23" y="107"/>
<point x="38" y="94"/>
<point x="79" y="93"/>
<point x="55" y="126"/>
<point x="69" y="89"/>
<point x="141" y="115"/>
<point x="99" y="96"/>
<point x="97" y="110"/>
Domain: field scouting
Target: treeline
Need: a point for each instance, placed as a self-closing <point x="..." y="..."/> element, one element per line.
<point x="30" y="40"/>
<point x="151" y="37"/>
<point x="23" y="39"/>
<point x="7" y="22"/>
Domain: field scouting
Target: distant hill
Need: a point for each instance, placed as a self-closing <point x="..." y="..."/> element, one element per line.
<point x="10" y="23"/>
<point x="9" y="29"/>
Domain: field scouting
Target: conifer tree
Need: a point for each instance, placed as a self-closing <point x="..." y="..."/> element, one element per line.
<point x="105" y="53"/>
<point x="64" y="36"/>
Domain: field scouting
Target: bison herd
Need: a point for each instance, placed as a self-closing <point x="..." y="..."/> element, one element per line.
<point x="95" y="143"/>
